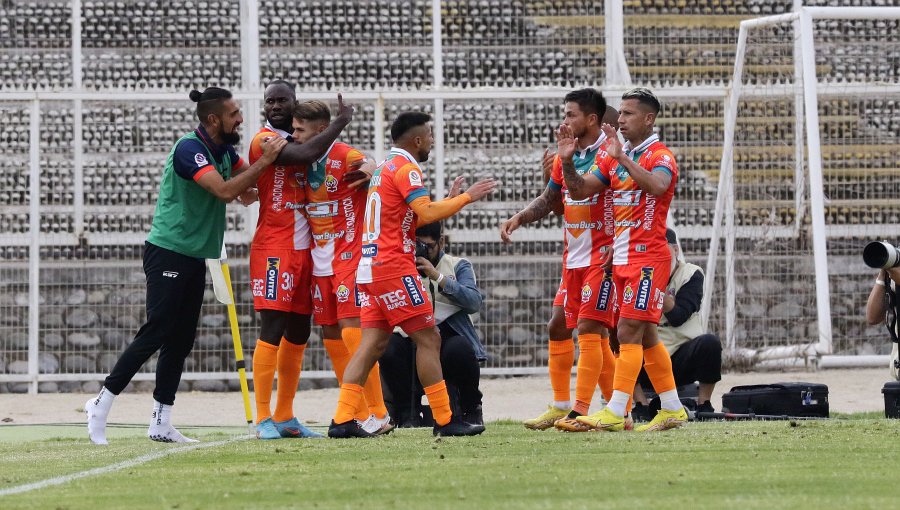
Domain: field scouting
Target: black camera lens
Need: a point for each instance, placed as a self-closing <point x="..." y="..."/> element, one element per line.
<point x="881" y="255"/>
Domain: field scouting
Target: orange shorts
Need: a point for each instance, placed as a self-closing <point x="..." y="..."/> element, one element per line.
<point x="594" y="298"/>
<point x="640" y="289"/>
<point x="335" y="297"/>
<point x="393" y="302"/>
<point x="560" y="298"/>
<point x="280" y="279"/>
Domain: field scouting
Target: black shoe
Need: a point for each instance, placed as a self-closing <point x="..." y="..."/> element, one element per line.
<point x="705" y="407"/>
<point x="457" y="427"/>
<point x="474" y="416"/>
<point x="641" y="413"/>
<point x="346" y="430"/>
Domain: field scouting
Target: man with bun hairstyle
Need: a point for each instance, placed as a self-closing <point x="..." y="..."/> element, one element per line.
<point x="202" y="173"/>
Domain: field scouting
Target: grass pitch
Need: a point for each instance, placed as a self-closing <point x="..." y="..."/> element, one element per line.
<point x="838" y="463"/>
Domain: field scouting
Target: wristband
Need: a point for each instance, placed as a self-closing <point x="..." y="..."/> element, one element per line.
<point x="441" y="277"/>
<point x="878" y="281"/>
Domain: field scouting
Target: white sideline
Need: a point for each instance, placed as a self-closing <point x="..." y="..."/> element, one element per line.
<point x="59" y="480"/>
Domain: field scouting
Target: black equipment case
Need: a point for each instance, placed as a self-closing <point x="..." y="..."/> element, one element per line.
<point x="798" y="399"/>
<point x="891" y="392"/>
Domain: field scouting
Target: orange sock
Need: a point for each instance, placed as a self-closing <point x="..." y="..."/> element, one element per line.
<point x="348" y="402"/>
<point x="290" y="361"/>
<point x="339" y="355"/>
<point x="439" y="401"/>
<point x="628" y="366"/>
<point x="265" y="357"/>
<point x="372" y="388"/>
<point x="562" y="357"/>
<point x="658" y="365"/>
<point x="590" y="361"/>
<point x="607" y="370"/>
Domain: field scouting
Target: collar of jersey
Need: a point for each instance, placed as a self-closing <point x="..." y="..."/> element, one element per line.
<point x="283" y="134"/>
<point x="594" y="146"/>
<point x="216" y="150"/>
<point x="325" y="156"/>
<point x="400" y="152"/>
<point x="640" y="148"/>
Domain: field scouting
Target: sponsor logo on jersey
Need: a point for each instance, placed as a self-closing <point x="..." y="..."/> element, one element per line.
<point x="328" y="236"/>
<point x="369" y="250"/>
<point x="342" y="293"/>
<point x="349" y="218"/>
<point x="415" y="178"/>
<point x="640" y="248"/>
<point x="628" y="223"/>
<point x="394" y="299"/>
<point x="586" y="293"/>
<point x="609" y="219"/>
<point x="331" y="183"/>
<point x="605" y="291"/>
<point x="658" y="299"/>
<point x="592" y="200"/>
<point x="413" y="290"/>
<point x="630" y="198"/>
<point x="272" y="265"/>
<point x="201" y="160"/>
<point x="356" y="296"/>
<point x="347" y="255"/>
<point x="322" y="209"/>
<point x="335" y="163"/>
<point x="293" y="206"/>
<point x="627" y="295"/>
<point x="278" y="188"/>
<point x="649" y="211"/>
<point x="644" y="286"/>
<point x="259" y="287"/>
<point x="375" y="181"/>
<point x="170" y="274"/>
<point x="581" y="225"/>
<point x="300" y="179"/>
<point x="362" y="298"/>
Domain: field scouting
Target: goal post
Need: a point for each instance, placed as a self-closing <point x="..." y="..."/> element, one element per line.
<point x="790" y="231"/>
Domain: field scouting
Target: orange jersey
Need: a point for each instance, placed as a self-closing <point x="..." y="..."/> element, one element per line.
<point x="333" y="210"/>
<point x="389" y="233"/>
<point x="640" y="217"/>
<point x="588" y="223"/>
<point x="282" y="201"/>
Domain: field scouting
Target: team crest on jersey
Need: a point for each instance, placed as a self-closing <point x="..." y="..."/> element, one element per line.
<point x="201" y="160"/>
<point x="272" y="265"/>
<point x="586" y="293"/>
<point x="331" y="183"/>
<point x="605" y="291"/>
<point x="644" y="286"/>
<point x="342" y="293"/>
<point x="415" y="178"/>
<point x="627" y="295"/>
<point x="413" y="290"/>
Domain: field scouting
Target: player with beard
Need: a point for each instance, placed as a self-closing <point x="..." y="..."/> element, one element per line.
<point x="336" y="201"/>
<point x="586" y="295"/>
<point x="390" y="291"/>
<point x="280" y="262"/>
<point x="202" y="173"/>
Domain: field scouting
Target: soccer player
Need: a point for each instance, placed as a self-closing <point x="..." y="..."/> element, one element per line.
<point x="586" y="292"/>
<point x="280" y="263"/>
<point x="390" y="290"/>
<point x="336" y="200"/>
<point x="202" y="173"/>
<point x="642" y="175"/>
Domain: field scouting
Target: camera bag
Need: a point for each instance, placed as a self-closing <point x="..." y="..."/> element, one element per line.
<point x="891" y="391"/>
<point x="798" y="399"/>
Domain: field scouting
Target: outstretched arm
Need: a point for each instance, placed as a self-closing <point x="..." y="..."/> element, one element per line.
<point x="536" y="210"/>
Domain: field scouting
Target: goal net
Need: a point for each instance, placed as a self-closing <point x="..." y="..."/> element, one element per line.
<point x="808" y="176"/>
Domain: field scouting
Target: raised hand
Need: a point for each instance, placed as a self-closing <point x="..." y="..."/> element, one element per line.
<point x="565" y="142"/>
<point x="481" y="189"/>
<point x="456" y="187"/>
<point x="508" y="227"/>
<point x="547" y="164"/>
<point x="613" y="145"/>
<point x="345" y="111"/>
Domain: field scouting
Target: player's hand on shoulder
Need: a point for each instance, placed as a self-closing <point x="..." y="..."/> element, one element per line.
<point x="508" y="227"/>
<point x="613" y="145"/>
<point x="482" y="189"/>
<point x="272" y="146"/>
<point x="565" y="142"/>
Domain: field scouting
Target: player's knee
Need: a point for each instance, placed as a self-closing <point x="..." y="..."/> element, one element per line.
<point x="272" y="325"/>
<point x="709" y="344"/>
<point x="557" y="330"/>
<point x="297" y="328"/>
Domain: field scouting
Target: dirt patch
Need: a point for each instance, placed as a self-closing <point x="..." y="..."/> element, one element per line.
<point x="517" y="398"/>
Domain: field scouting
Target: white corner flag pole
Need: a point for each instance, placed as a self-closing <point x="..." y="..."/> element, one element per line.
<point x="221" y="278"/>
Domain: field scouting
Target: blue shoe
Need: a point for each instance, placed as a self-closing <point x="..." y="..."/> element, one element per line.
<point x="266" y="430"/>
<point x="294" y="429"/>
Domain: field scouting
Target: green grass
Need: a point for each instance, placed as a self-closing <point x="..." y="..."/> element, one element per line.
<point x="838" y="463"/>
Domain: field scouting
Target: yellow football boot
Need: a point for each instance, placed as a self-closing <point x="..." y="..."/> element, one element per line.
<point x="546" y="420"/>
<point x="665" y="420"/>
<point x="606" y="420"/>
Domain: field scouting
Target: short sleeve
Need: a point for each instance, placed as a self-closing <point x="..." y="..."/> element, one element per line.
<point x="556" y="177"/>
<point x="256" y="146"/>
<point x="603" y="167"/>
<point x="236" y="161"/>
<point x="664" y="161"/>
<point x="191" y="160"/>
<point x="410" y="182"/>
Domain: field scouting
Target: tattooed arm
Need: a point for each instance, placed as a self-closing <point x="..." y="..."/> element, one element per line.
<point x="536" y="210"/>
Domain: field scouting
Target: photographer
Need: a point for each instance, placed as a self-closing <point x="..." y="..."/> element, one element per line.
<point x="882" y="297"/>
<point x="450" y="283"/>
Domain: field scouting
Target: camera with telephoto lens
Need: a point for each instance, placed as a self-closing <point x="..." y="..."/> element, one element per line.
<point x="421" y="249"/>
<point x="881" y="255"/>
